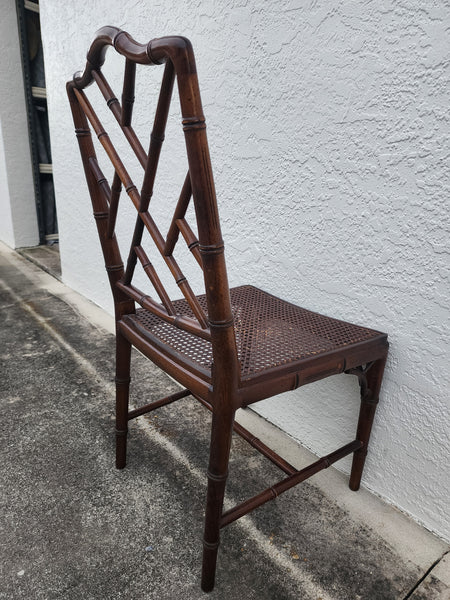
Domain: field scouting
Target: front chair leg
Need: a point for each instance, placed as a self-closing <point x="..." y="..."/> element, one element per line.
<point x="370" y="389"/>
<point x="123" y="358"/>
<point x="222" y="428"/>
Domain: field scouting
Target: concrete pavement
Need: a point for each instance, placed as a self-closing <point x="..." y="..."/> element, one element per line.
<point x="73" y="527"/>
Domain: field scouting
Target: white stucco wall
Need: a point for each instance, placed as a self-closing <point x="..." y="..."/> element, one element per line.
<point x="328" y="125"/>
<point x="6" y="224"/>
<point x="18" y="222"/>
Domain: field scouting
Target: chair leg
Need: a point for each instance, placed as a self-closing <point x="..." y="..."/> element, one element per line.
<point x="370" y="389"/>
<point x="123" y="358"/>
<point x="222" y="427"/>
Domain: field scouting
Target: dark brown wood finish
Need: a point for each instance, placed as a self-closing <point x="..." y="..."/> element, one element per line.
<point x="228" y="348"/>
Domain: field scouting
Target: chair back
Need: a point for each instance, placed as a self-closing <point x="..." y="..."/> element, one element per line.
<point x="214" y="321"/>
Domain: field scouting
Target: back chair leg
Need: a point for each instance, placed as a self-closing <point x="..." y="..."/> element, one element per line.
<point x="370" y="390"/>
<point x="222" y="427"/>
<point x="123" y="359"/>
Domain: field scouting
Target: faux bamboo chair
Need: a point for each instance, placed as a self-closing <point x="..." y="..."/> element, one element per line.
<point x="228" y="348"/>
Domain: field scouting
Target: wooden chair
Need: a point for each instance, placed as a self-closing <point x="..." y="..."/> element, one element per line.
<point x="228" y="348"/>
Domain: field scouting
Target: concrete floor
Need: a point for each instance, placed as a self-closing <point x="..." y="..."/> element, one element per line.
<point x="73" y="527"/>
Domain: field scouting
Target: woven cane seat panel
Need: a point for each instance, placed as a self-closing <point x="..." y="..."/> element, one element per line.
<point x="269" y="332"/>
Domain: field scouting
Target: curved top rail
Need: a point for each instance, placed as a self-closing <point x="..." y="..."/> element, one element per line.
<point x="154" y="53"/>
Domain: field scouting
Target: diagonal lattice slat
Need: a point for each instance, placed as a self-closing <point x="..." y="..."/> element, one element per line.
<point x="180" y="211"/>
<point x="154" y="278"/>
<point x="116" y="110"/>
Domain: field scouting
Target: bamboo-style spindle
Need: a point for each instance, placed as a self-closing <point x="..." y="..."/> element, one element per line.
<point x="154" y="278"/>
<point x="128" y="92"/>
<point x="179" y="213"/>
<point x="143" y="410"/>
<point x="100" y="178"/>
<point x="116" y="188"/>
<point x="109" y="148"/>
<point x="114" y="105"/>
<point x="157" y="135"/>
<point x="181" y="321"/>
<point x="282" y="486"/>
<point x="180" y="279"/>
<point x="156" y="140"/>
<point x="191" y="239"/>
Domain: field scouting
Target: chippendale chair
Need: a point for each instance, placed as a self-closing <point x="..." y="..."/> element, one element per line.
<point x="228" y="348"/>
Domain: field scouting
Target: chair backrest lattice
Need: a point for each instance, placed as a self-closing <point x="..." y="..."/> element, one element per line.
<point x="198" y="184"/>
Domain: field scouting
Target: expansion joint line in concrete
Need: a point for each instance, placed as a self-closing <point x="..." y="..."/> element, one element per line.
<point x="424" y="576"/>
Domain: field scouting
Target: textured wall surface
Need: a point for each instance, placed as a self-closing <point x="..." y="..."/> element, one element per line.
<point x="6" y="225"/>
<point x="18" y="222"/>
<point x="329" y="126"/>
